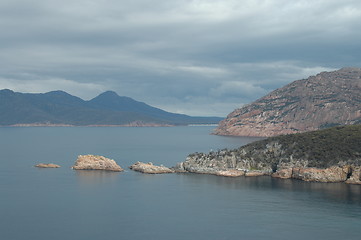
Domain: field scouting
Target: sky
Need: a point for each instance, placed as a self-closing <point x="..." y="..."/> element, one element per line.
<point x="197" y="57"/>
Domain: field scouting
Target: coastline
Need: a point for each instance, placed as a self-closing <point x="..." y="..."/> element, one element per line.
<point x="134" y="124"/>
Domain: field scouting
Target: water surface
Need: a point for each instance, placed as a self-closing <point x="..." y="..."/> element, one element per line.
<point x="67" y="204"/>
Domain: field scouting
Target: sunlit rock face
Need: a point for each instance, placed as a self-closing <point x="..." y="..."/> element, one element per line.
<point x="92" y="162"/>
<point x="150" y="168"/>
<point x="327" y="99"/>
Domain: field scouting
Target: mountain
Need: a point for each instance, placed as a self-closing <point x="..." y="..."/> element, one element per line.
<point x="327" y="155"/>
<point x="325" y="100"/>
<point x="111" y="101"/>
<point x="61" y="108"/>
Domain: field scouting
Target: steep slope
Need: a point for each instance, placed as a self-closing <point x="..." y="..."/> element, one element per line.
<point x="327" y="99"/>
<point x="59" y="107"/>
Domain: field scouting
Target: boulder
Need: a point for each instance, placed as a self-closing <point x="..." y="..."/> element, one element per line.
<point x="255" y="173"/>
<point x="230" y="173"/>
<point x="283" y="173"/>
<point x="93" y="162"/>
<point x="150" y="168"/>
<point x="47" y="165"/>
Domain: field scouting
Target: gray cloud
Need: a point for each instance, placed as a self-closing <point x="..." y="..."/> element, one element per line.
<point x="191" y="56"/>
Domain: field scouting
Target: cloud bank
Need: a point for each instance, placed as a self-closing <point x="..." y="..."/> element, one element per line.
<point x="190" y="56"/>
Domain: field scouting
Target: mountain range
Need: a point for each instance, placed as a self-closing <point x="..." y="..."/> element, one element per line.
<point x="61" y="108"/>
<point x="325" y="100"/>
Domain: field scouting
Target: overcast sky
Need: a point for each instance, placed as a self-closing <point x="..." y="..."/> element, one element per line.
<point x="194" y="57"/>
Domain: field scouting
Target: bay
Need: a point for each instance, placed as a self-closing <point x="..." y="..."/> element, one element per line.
<point x="67" y="204"/>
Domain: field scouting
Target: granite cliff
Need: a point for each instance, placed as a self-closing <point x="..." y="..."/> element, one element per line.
<point x="328" y="155"/>
<point x="325" y="100"/>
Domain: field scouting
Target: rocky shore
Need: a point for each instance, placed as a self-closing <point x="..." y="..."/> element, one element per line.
<point x="330" y="155"/>
<point x="93" y="162"/>
<point x="150" y="168"/>
<point x="206" y="164"/>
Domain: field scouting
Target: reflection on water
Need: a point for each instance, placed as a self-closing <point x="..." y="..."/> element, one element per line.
<point x="334" y="192"/>
<point x="92" y="205"/>
<point x="96" y="176"/>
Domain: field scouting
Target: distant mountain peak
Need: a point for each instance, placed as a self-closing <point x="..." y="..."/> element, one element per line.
<point x="60" y="108"/>
<point x="8" y="91"/>
<point x="108" y="94"/>
<point x="58" y="93"/>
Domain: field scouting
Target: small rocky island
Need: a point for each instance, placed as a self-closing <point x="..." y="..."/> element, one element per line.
<point x="150" y="168"/>
<point x="47" y="165"/>
<point x="329" y="155"/>
<point x="93" y="162"/>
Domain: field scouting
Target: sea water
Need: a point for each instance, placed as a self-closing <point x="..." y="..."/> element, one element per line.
<point x="62" y="203"/>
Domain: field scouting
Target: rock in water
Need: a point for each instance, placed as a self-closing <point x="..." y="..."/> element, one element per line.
<point x="47" y="165"/>
<point x="150" y="168"/>
<point x="327" y="99"/>
<point x="92" y="162"/>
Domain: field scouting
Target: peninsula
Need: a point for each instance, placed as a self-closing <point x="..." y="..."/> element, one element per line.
<point x="328" y="155"/>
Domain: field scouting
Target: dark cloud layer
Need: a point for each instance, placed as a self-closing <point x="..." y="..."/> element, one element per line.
<point x="195" y="57"/>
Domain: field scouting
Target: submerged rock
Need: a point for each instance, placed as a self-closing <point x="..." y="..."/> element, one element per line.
<point x="93" y="162"/>
<point x="150" y="168"/>
<point x="47" y="165"/>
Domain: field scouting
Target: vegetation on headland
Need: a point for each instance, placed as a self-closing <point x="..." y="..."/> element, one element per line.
<point x="336" y="146"/>
<point x="329" y="155"/>
<point x="321" y="148"/>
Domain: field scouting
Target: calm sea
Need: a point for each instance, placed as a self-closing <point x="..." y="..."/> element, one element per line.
<point x="52" y="204"/>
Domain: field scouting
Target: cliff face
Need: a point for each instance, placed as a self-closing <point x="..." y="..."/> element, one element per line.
<point x="327" y="99"/>
<point x="329" y="155"/>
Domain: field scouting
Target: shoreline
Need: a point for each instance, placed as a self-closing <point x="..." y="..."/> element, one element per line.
<point x="108" y="125"/>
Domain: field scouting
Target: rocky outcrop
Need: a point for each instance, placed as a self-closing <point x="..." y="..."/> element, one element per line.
<point x="327" y="99"/>
<point x="332" y="174"/>
<point x="47" y="165"/>
<point x="329" y="155"/>
<point x="230" y="173"/>
<point x="92" y="162"/>
<point x="355" y="177"/>
<point x="150" y="168"/>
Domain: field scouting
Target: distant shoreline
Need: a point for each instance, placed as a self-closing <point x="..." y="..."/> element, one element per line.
<point x="109" y="125"/>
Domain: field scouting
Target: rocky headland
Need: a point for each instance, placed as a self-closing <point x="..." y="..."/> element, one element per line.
<point x="47" y="165"/>
<point x="93" y="162"/>
<point x="328" y="155"/>
<point x="150" y="168"/>
<point x="325" y="100"/>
